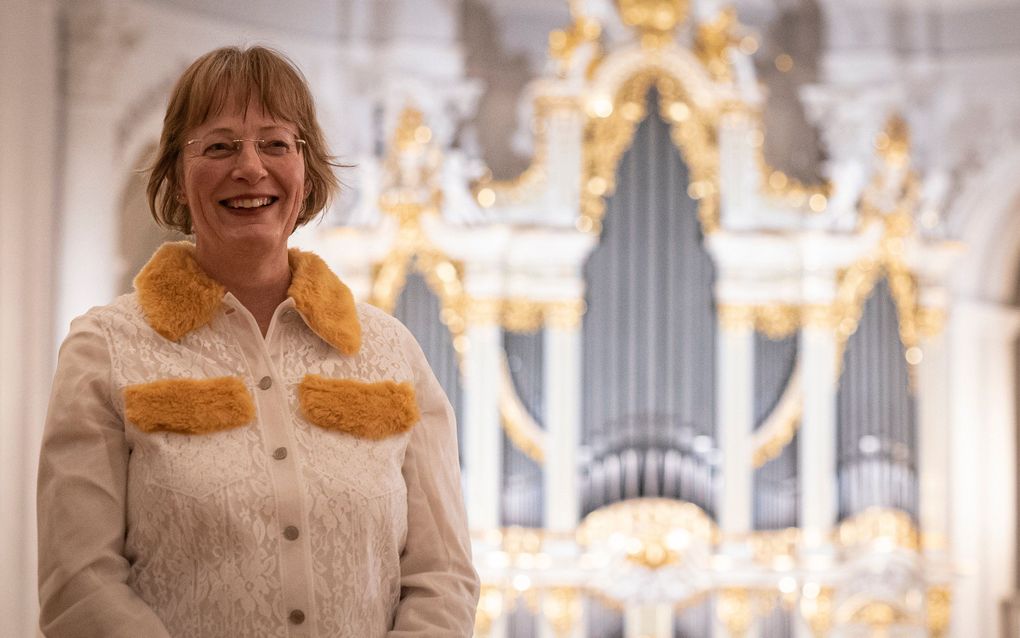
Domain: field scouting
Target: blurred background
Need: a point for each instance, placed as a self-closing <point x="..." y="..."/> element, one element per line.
<point x="725" y="295"/>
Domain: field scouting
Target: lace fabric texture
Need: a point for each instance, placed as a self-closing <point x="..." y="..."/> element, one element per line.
<point x="204" y="528"/>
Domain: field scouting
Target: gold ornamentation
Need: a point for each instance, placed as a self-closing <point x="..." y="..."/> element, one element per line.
<point x="734" y="610"/>
<point x="610" y="130"/>
<point x="651" y="532"/>
<point x="522" y="430"/>
<point x="713" y="42"/>
<point x="938" y="605"/>
<point x="775" y="548"/>
<point x="891" y="205"/>
<point x="879" y="616"/>
<point x="490" y="192"/>
<point x="877" y="526"/>
<point x="777" y="321"/>
<point x="562" y="607"/>
<point x="483" y="312"/>
<point x="522" y="315"/>
<point x="564" y="315"/>
<point x="816" y="605"/>
<point x="655" y="19"/>
<point x="490" y="607"/>
<point x="563" y="43"/>
<point x="735" y="317"/>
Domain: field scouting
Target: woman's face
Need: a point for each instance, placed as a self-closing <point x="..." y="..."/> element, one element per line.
<point x="243" y="200"/>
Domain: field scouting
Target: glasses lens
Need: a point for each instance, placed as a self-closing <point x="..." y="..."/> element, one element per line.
<point x="276" y="146"/>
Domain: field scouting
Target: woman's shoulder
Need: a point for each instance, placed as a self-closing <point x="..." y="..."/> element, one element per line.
<point x="115" y="316"/>
<point x="378" y="324"/>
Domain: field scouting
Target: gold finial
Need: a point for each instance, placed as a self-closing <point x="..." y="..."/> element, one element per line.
<point x="656" y="19"/>
<point x="893" y="143"/>
<point x="713" y="42"/>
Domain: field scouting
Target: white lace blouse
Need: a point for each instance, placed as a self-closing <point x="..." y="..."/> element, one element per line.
<point x="200" y="481"/>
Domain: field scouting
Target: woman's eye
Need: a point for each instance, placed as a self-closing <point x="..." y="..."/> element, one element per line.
<point x="218" y="149"/>
<point x="276" y="147"/>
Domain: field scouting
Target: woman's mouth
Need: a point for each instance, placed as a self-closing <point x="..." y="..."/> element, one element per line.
<point x="245" y="203"/>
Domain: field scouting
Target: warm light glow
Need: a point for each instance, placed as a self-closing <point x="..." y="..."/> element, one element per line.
<point x="784" y="63"/>
<point x="748" y="45"/>
<point x="678" y="111"/>
<point x="914" y="355"/>
<point x="811" y="590"/>
<point x="788" y="585"/>
<point x="818" y="202"/>
<point x="486" y="197"/>
<point x="521" y="582"/>
<point x="422" y="135"/>
<point x="601" y="107"/>
<point x="597" y="185"/>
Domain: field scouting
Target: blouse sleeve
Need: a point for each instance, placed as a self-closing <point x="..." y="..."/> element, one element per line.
<point x="438" y="584"/>
<point x="83" y="573"/>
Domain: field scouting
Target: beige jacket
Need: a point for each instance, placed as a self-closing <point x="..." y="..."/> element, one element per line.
<point x="200" y="481"/>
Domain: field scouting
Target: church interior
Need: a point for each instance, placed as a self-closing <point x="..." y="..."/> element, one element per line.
<point x="725" y="295"/>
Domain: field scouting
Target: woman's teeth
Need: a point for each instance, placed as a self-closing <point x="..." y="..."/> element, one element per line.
<point x="254" y="202"/>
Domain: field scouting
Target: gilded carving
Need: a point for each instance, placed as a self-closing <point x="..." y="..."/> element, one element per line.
<point x="938" y="605"/>
<point x="884" y="526"/>
<point x="713" y="41"/>
<point x="816" y="605"/>
<point x="734" y="610"/>
<point x="656" y="530"/>
<point x="562" y="608"/>
<point x="610" y="130"/>
<point x="655" y="19"/>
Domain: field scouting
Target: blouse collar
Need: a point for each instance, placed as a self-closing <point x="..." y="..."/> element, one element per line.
<point x="177" y="296"/>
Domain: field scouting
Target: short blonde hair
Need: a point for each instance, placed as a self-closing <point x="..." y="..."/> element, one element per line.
<point x="216" y="81"/>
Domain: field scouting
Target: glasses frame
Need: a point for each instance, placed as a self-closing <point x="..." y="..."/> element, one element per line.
<point x="298" y="142"/>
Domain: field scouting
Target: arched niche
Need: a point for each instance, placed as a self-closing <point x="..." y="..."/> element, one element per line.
<point x="522" y="497"/>
<point x="649" y="333"/>
<point x="775" y="481"/>
<point x="876" y="415"/>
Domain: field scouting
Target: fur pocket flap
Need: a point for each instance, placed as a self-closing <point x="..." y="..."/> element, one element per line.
<point x="366" y="410"/>
<point x="189" y="406"/>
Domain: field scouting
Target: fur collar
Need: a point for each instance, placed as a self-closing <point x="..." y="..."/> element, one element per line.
<point x="177" y="296"/>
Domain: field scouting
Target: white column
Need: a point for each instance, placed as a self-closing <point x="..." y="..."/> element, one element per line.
<point x="735" y="418"/>
<point x="983" y="449"/>
<point x="28" y="121"/>
<point x="817" y="449"/>
<point x="562" y="392"/>
<point x="648" y="621"/>
<point x="933" y="392"/>
<point x="483" y="457"/>
<point x="735" y="424"/>
<point x="483" y="436"/>
<point x="817" y="442"/>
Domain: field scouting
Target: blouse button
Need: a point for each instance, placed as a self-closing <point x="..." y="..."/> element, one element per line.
<point x="280" y="453"/>
<point x="265" y="383"/>
<point x="296" y="616"/>
<point x="290" y="533"/>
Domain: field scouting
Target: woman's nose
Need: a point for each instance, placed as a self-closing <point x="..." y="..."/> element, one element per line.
<point x="248" y="163"/>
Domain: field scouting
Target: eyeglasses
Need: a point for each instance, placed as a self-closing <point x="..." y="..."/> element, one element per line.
<point x="218" y="146"/>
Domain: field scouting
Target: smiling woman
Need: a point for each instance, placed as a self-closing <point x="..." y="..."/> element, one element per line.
<point x="189" y="484"/>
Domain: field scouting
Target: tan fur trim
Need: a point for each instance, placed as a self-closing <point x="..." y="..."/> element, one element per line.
<point x="177" y="296"/>
<point x="174" y="292"/>
<point x="189" y="406"/>
<point x="367" y="410"/>
<point x="325" y="302"/>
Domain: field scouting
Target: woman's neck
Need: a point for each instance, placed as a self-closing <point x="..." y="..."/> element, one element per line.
<point x="259" y="281"/>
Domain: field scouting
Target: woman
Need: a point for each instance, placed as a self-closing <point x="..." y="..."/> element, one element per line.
<point x="238" y="448"/>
